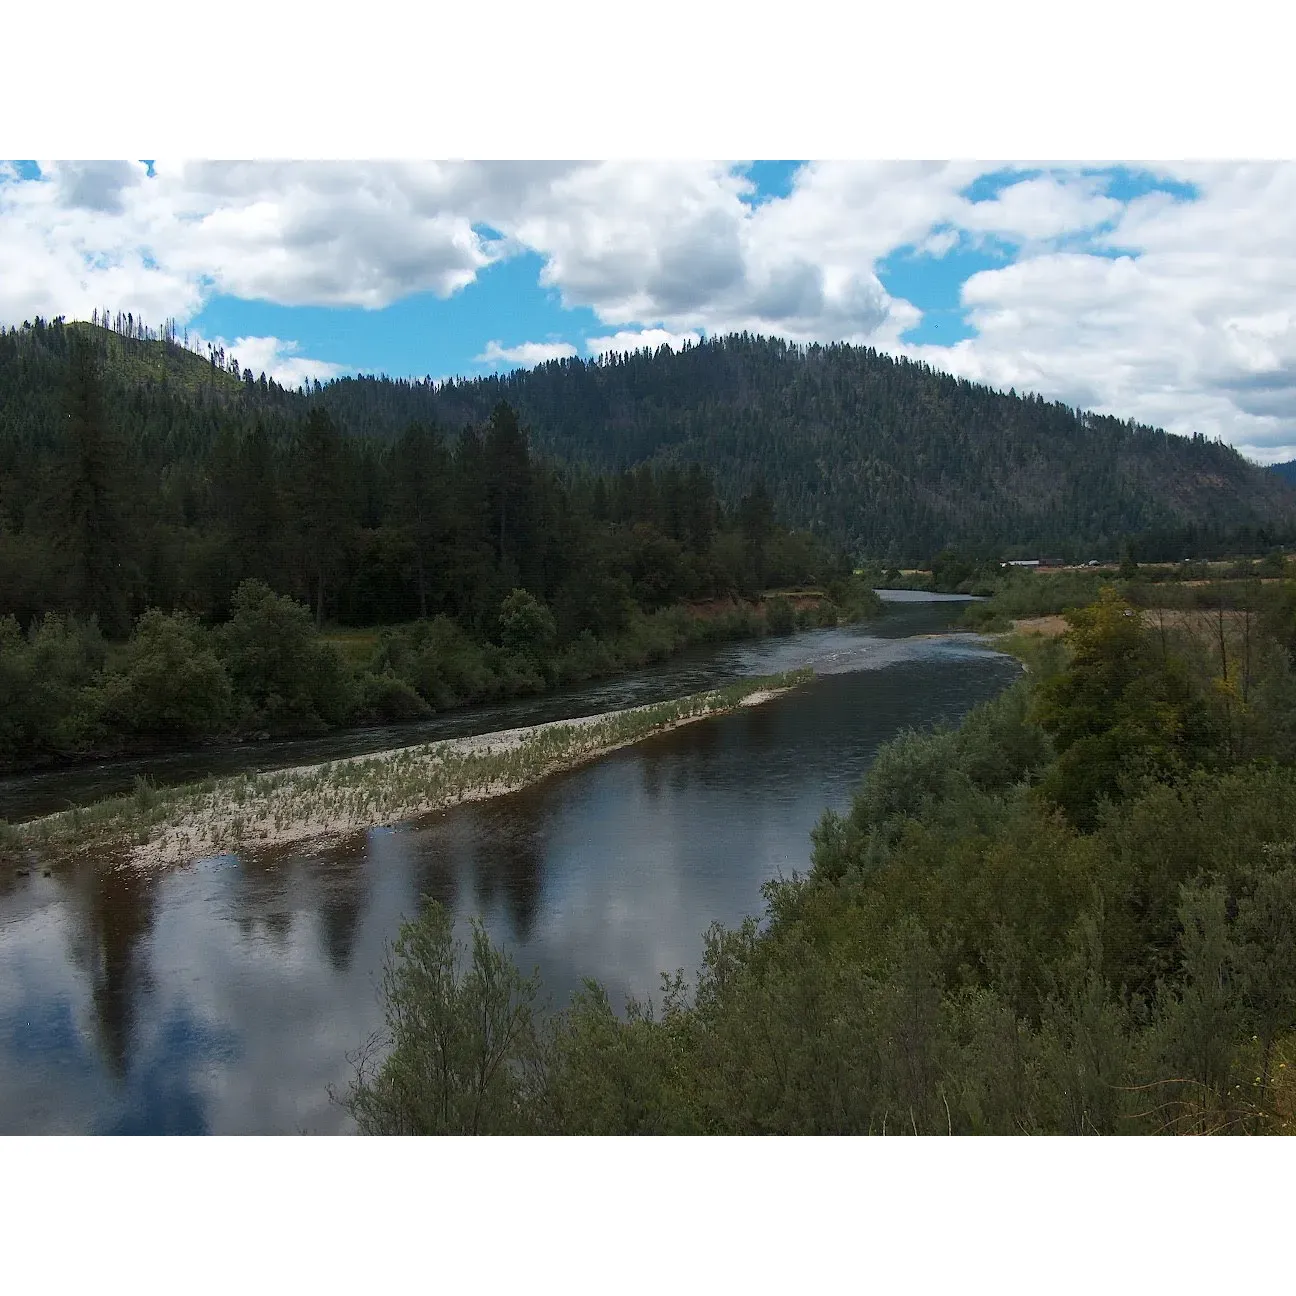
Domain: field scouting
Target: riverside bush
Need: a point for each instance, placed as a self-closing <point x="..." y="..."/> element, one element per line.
<point x="780" y="616"/>
<point x="267" y="668"/>
<point x="170" y="682"/>
<point x="48" y="703"/>
<point x="287" y="678"/>
<point x="965" y="957"/>
<point x="526" y="626"/>
<point x="386" y="697"/>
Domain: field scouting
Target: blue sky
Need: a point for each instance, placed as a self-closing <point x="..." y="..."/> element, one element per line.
<point x="1160" y="292"/>
<point x="421" y="335"/>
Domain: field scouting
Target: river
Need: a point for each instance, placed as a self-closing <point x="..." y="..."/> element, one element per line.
<point x="225" y="996"/>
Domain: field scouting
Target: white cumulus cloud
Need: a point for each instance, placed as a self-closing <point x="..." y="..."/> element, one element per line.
<point x="628" y="340"/>
<point x="525" y="354"/>
<point x="1190" y="328"/>
<point x="278" y="358"/>
<point x="337" y="234"/>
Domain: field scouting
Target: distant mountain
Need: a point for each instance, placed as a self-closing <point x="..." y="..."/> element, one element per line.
<point x="1287" y="471"/>
<point x="887" y="456"/>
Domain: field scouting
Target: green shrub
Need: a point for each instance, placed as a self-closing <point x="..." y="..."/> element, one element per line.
<point x="48" y="700"/>
<point x="852" y="599"/>
<point x="462" y="1038"/>
<point x="286" y="678"/>
<point x="334" y="692"/>
<point x="526" y="626"/>
<point x="780" y="616"/>
<point x="387" y="698"/>
<point x="1021" y="594"/>
<point x="583" y="659"/>
<point x="171" y="682"/>
<point x="516" y="675"/>
<point x="986" y="618"/>
<point x="907" y="772"/>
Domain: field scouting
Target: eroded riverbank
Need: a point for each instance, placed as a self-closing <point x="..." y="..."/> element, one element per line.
<point x="335" y="799"/>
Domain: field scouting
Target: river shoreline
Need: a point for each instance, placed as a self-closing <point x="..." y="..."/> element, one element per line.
<point x="336" y="799"/>
<point x="222" y="997"/>
<point x="133" y="747"/>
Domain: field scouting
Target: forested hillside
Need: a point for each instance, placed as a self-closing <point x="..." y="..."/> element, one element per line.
<point x="135" y="474"/>
<point x="888" y="457"/>
<point x="1287" y="471"/>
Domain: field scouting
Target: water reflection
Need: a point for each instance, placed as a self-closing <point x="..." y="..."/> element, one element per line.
<point x="225" y="996"/>
<point x="341" y="892"/>
<point x="119" y="914"/>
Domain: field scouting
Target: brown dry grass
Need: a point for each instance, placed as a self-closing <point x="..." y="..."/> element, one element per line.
<point x="1048" y="626"/>
<point x="1202" y="622"/>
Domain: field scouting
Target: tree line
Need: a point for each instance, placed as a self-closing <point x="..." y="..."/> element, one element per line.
<point x="118" y="496"/>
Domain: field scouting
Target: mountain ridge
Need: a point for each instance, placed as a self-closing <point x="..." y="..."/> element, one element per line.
<point x="883" y="455"/>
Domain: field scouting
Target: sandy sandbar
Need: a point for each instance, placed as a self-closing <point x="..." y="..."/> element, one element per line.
<point x="338" y="798"/>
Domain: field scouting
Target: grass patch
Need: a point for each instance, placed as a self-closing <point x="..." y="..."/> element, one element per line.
<point x="139" y="361"/>
<point x="357" y="644"/>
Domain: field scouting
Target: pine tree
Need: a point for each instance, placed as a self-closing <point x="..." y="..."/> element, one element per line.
<point x="422" y="477"/>
<point x="756" y="520"/>
<point x="508" y="479"/>
<point x="89" y="506"/>
<point x="246" y="486"/>
<point x="320" y="499"/>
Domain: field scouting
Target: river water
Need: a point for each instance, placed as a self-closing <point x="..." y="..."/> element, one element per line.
<point x="225" y="996"/>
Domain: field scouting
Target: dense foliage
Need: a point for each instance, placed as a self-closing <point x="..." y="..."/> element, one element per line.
<point x="219" y="523"/>
<point x="1073" y="914"/>
<point x="121" y="492"/>
<point x="65" y="692"/>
